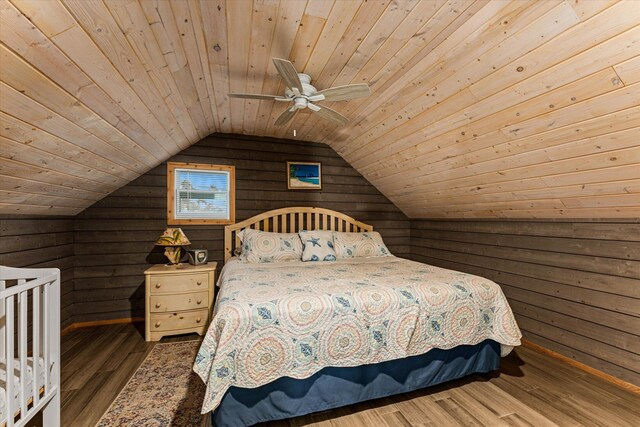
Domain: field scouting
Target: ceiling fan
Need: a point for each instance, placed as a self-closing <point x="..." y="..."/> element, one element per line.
<point x="302" y="94"/>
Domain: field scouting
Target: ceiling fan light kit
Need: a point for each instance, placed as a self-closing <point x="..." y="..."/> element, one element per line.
<point x="303" y="94"/>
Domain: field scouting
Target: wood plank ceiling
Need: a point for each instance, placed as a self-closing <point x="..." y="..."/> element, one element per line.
<point x="516" y="109"/>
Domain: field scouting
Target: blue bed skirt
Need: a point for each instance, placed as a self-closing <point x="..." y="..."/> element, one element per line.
<point x="335" y="387"/>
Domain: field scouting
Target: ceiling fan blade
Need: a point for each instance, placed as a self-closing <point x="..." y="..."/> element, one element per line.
<point x="288" y="73"/>
<point x="344" y="93"/>
<point x="328" y="114"/>
<point x="286" y="116"/>
<point x="257" y="96"/>
<point x="315" y="98"/>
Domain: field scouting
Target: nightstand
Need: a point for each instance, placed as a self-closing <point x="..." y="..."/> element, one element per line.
<point x="179" y="299"/>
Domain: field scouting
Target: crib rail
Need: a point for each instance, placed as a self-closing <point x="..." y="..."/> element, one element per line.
<point x="38" y="290"/>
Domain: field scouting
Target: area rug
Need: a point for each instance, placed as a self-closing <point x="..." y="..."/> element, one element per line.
<point x="163" y="391"/>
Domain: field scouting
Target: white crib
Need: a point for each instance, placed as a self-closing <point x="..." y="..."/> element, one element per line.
<point x="35" y="363"/>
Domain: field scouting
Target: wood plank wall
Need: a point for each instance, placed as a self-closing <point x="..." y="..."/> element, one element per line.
<point x="41" y="242"/>
<point x="573" y="286"/>
<point x="114" y="238"/>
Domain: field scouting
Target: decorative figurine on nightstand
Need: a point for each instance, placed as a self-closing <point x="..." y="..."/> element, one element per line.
<point x="173" y="239"/>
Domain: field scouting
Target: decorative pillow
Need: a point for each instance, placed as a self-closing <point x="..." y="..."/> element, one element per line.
<point x="262" y="246"/>
<point x="357" y="245"/>
<point x="318" y="245"/>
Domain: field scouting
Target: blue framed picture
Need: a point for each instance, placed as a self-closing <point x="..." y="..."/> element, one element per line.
<point x="304" y="176"/>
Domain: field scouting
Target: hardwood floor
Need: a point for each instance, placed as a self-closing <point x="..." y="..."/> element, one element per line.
<point x="532" y="389"/>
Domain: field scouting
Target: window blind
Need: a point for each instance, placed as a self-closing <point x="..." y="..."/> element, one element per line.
<point x="201" y="194"/>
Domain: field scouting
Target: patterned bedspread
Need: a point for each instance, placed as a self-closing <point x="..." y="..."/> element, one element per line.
<point x="293" y="319"/>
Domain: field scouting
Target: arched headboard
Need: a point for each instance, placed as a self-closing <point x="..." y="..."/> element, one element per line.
<point x="292" y="220"/>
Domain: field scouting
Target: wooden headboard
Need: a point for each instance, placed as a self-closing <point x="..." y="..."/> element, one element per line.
<point x="292" y="220"/>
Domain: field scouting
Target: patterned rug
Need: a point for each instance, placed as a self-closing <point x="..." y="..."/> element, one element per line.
<point x="163" y="391"/>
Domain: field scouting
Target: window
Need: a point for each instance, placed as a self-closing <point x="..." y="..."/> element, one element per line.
<point x="200" y="194"/>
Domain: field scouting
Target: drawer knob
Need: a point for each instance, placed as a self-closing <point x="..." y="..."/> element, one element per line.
<point x="199" y="301"/>
<point x="199" y="283"/>
<point x="199" y="319"/>
<point x="157" y="324"/>
<point x="157" y="305"/>
<point x="157" y="285"/>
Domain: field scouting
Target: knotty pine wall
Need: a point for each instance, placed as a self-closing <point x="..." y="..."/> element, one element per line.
<point x="41" y="242"/>
<point x="114" y="238"/>
<point x="573" y="286"/>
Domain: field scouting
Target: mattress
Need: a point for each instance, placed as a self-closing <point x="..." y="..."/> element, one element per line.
<point x="17" y="383"/>
<point x="295" y="318"/>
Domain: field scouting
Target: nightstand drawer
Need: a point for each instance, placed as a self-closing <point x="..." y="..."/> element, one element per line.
<point x="163" y="303"/>
<point x="169" y="284"/>
<point x="180" y="320"/>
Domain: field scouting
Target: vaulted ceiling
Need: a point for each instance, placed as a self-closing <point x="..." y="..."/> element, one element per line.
<point x="516" y="109"/>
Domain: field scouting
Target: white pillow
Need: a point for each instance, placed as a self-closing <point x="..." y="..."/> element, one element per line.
<point x="318" y="245"/>
<point x="262" y="246"/>
<point x="359" y="245"/>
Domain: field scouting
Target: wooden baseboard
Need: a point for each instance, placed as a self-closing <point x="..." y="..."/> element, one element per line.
<point x="610" y="378"/>
<point x="80" y="325"/>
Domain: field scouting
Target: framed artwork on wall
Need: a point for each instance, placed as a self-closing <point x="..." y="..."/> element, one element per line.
<point x="304" y="175"/>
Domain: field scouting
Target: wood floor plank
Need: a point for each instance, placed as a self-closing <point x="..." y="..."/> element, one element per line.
<point x="93" y="364"/>
<point x="481" y="409"/>
<point x="395" y="419"/>
<point x="425" y="412"/>
<point x="515" y="420"/>
<point x="589" y="413"/>
<point x="559" y="375"/>
<point x="101" y="400"/>
<point x="536" y="400"/>
<point x="630" y="410"/>
<point x="72" y="340"/>
<point x="132" y="343"/>
<point x="536" y="416"/>
<point x="76" y="359"/>
<point x="82" y="397"/>
<point x="458" y="412"/>
<point x="531" y="389"/>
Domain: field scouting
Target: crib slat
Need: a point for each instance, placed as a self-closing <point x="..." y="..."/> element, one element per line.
<point x="10" y="410"/>
<point x="45" y="334"/>
<point x="36" y="345"/>
<point x="22" y="336"/>
<point x="276" y="220"/>
<point x="3" y="286"/>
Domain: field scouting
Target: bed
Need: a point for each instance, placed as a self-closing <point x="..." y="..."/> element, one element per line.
<point x="292" y="338"/>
